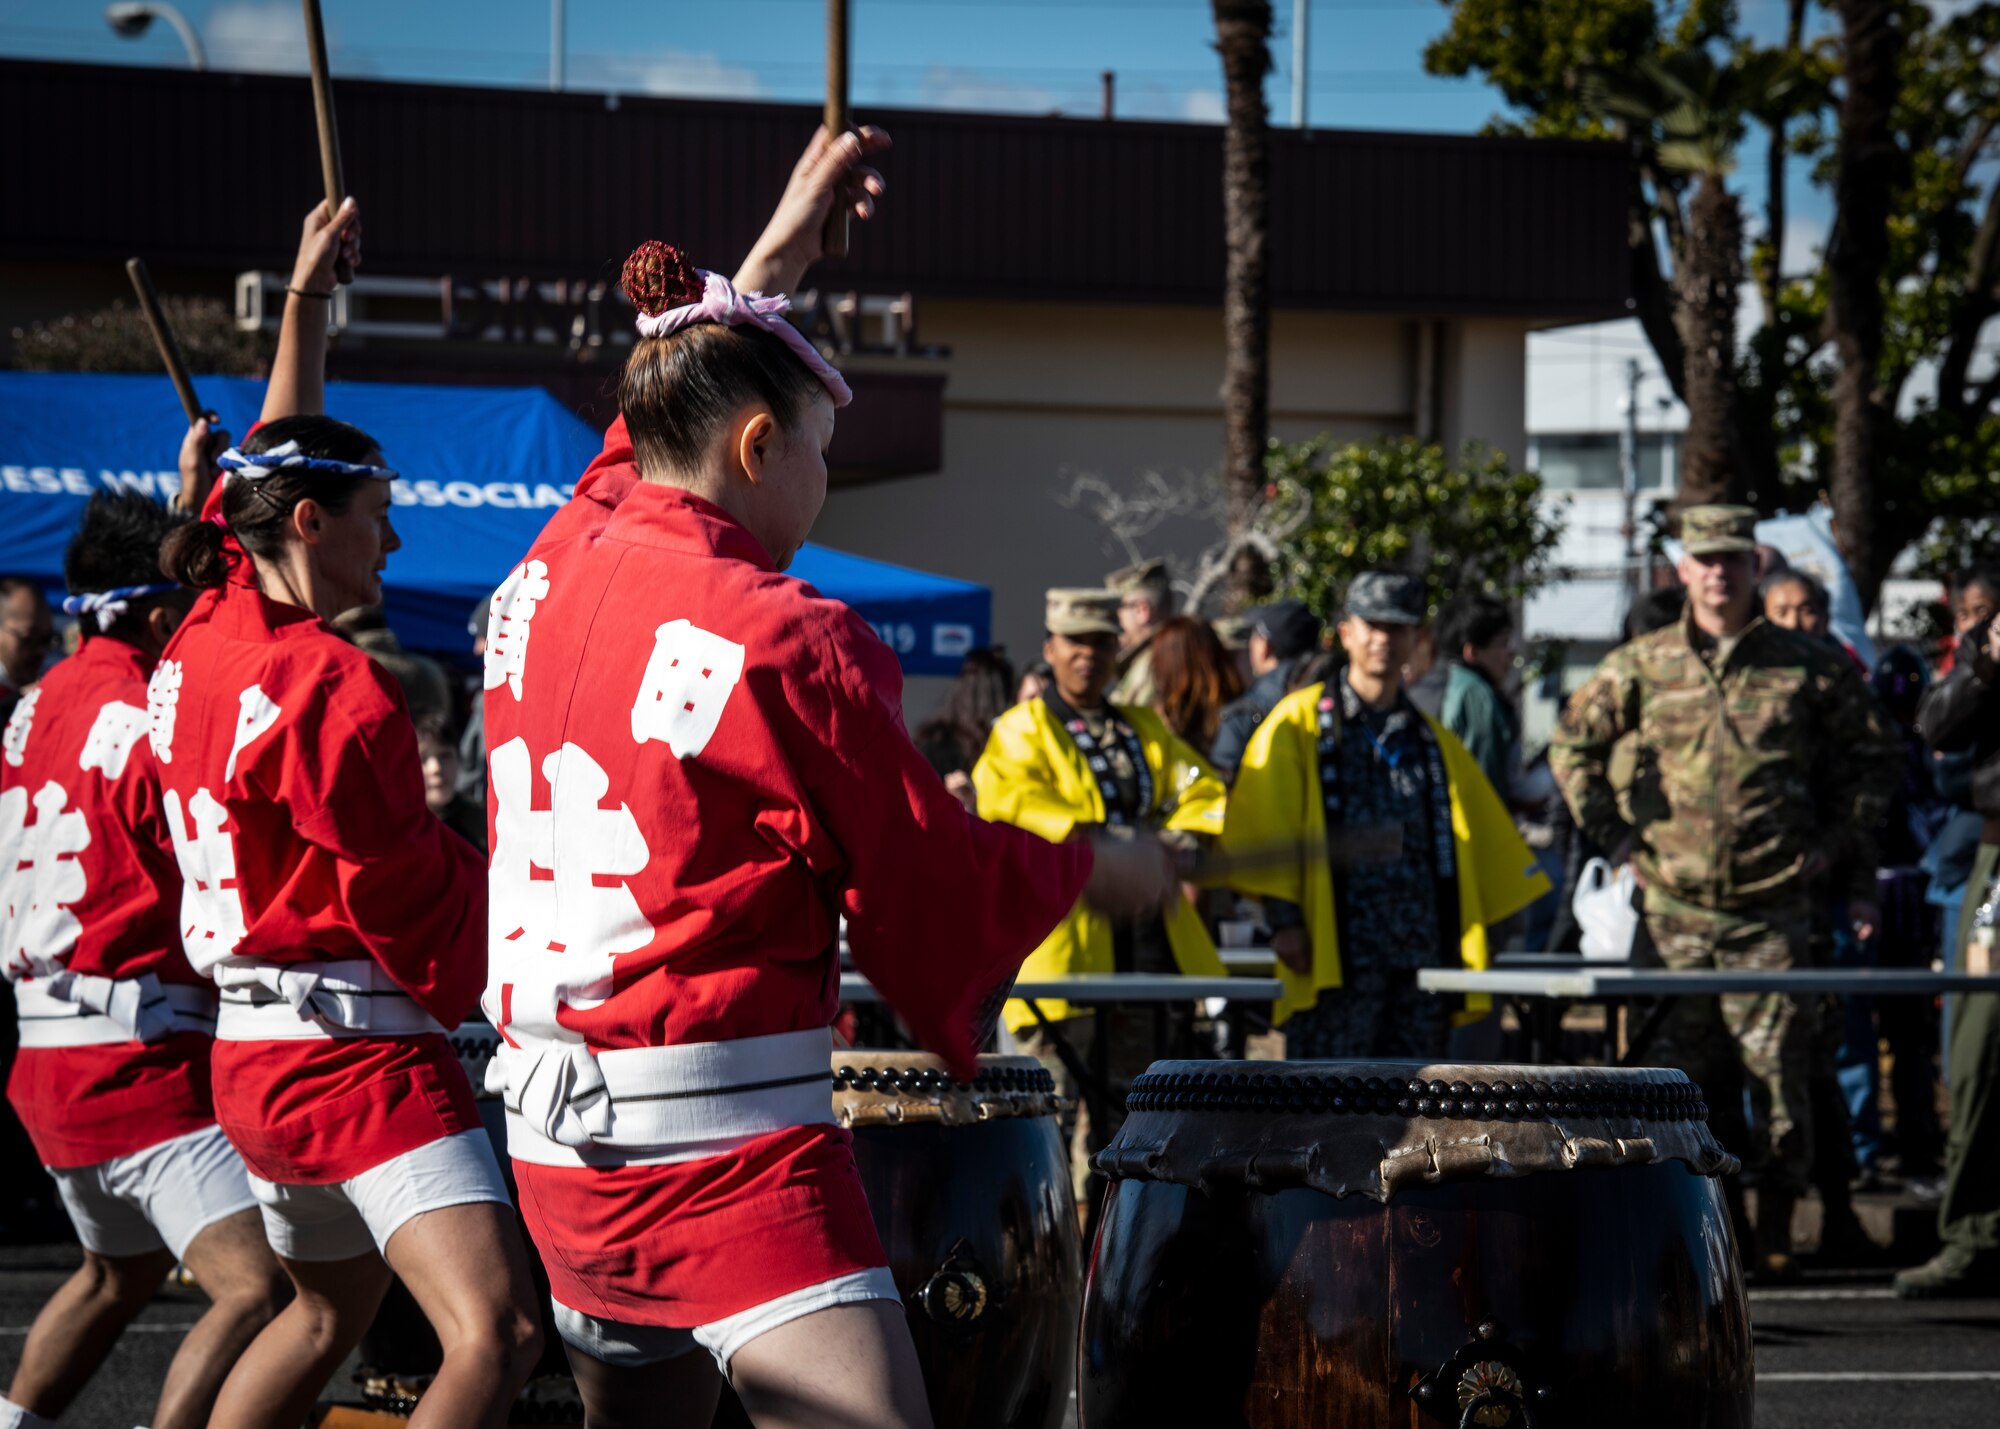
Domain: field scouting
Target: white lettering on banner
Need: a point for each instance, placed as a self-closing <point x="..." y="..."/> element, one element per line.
<point x="897" y="636"/>
<point x="544" y="894"/>
<point x="255" y="714"/>
<point x="509" y="615"/>
<point x="163" y="694"/>
<point x="116" y="729"/>
<point x="211" y="913"/>
<point x="14" y="739"/>
<point x="687" y="682"/>
<point x="37" y="929"/>
<point x="504" y="495"/>
<point x="24" y="480"/>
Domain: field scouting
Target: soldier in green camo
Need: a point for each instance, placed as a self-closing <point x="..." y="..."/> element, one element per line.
<point x="1764" y="770"/>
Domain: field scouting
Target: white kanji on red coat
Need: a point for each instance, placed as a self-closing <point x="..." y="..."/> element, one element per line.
<point x="14" y="739"/>
<point x="44" y="876"/>
<point x="116" y="729"/>
<point x="211" y="906"/>
<point x="510" y="615"/>
<point x="686" y="686"/>
<point x="556" y="919"/>
<point x="163" y="696"/>
<point x="255" y="713"/>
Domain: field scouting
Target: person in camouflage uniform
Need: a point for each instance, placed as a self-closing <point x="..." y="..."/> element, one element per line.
<point x="1764" y="768"/>
<point x="1145" y="601"/>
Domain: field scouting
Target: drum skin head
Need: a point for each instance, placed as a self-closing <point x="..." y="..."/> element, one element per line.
<point x="883" y="1088"/>
<point x="1372" y="1128"/>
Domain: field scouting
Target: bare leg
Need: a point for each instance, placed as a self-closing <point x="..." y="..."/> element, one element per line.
<point x="468" y="1271"/>
<point x="848" y="1367"/>
<point x="679" y="1393"/>
<point x="233" y="1265"/>
<point x="278" y="1379"/>
<point x="80" y="1324"/>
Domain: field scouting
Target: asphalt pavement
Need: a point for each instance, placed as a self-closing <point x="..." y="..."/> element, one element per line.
<point x="1836" y="1351"/>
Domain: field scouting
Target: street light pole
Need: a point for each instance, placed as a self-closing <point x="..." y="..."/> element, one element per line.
<point x="131" y="21"/>
<point x="1301" y="25"/>
<point x="1628" y="473"/>
<point x="556" y="44"/>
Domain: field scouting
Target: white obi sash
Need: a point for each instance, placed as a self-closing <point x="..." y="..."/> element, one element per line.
<point x="569" y="1106"/>
<point x="272" y="1002"/>
<point x="73" y="1009"/>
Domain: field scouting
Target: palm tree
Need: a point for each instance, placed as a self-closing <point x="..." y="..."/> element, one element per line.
<point x="1685" y="117"/>
<point x="1242" y="37"/>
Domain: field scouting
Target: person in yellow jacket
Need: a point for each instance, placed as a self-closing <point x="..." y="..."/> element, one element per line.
<point x="1353" y="756"/>
<point x="1072" y="761"/>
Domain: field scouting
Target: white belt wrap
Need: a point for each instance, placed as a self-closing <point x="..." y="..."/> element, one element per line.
<point x="569" y="1106"/>
<point x="273" y="1002"/>
<point x="74" y="1009"/>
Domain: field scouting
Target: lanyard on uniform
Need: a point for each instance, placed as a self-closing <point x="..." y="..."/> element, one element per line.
<point x="1100" y="764"/>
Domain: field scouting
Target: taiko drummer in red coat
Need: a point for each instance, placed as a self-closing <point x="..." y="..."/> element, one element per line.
<point x="697" y="766"/>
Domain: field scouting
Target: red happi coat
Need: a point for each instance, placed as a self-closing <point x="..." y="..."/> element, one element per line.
<point x="713" y="756"/>
<point x="295" y="797"/>
<point x="91" y="888"/>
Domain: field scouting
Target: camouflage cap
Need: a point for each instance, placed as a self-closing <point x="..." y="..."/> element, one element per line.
<point x="1718" y="530"/>
<point x="1386" y="598"/>
<point x="1147" y="577"/>
<point x="1080" y="611"/>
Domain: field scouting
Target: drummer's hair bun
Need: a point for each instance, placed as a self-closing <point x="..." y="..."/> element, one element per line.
<point x="658" y="276"/>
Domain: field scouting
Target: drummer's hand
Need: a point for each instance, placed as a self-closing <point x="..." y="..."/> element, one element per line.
<point x="958" y="784"/>
<point x="324" y="240"/>
<point x="1293" y="947"/>
<point x="204" y="442"/>
<point x="1864" y="916"/>
<point x="829" y="172"/>
<point x="1131" y="878"/>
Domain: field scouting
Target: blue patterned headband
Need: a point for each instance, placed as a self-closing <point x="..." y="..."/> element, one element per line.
<point x="108" y="605"/>
<point x="288" y="458"/>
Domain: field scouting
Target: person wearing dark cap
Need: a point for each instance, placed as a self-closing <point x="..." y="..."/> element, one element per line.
<point x="1354" y="757"/>
<point x="1145" y="599"/>
<point x="1280" y="634"/>
<point x="1076" y="760"/>
<point x="1764" y="769"/>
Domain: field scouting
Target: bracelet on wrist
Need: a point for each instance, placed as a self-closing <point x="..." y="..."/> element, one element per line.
<point x="309" y="293"/>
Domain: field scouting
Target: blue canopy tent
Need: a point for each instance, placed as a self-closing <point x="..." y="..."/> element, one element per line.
<point x="482" y="469"/>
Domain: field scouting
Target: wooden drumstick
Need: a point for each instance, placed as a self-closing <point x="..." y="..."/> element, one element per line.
<point x="163" y="338"/>
<point x="833" y="238"/>
<point x="329" y="129"/>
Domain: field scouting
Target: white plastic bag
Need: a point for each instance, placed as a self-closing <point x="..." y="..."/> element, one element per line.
<point x="1604" y="904"/>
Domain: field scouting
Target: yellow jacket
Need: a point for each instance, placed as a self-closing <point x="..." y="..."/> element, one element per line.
<point x="1276" y="802"/>
<point x="1033" y="776"/>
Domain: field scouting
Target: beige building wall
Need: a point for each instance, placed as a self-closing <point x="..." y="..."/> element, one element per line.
<point x="1038" y="393"/>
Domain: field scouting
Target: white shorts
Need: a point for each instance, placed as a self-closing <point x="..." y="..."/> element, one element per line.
<point x="352" y="1217"/>
<point x="162" y="1197"/>
<point x="631" y="1346"/>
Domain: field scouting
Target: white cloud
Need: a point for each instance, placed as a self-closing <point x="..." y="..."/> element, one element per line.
<point x="1204" y="106"/>
<point x="664" y="72"/>
<point x="944" y="87"/>
<point x="268" y="37"/>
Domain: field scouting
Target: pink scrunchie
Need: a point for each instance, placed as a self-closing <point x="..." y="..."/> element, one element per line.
<point x="721" y="303"/>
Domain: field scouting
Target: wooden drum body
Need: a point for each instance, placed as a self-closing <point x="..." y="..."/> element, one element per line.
<point x="1362" y="1245"/>
<point x="970" y="1192"/>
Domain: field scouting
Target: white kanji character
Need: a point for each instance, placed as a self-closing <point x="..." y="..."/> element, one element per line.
<point x="163" y="693"/>
<point x="688" y="680"/>
<point x="545" y="896"/>
<point x="255" y="714"/>
<point x="14" y="739"/>
<point x="44" y="877"/>
<point x="116" y="729"/>
<point x="211" y="914"/>
<point x="508" y="616"/>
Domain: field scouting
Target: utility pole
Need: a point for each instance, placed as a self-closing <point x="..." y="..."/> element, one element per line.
<point x="556" y="44"/>
<point x="1301" y="24"/>
<point x="1628" y="472"/>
